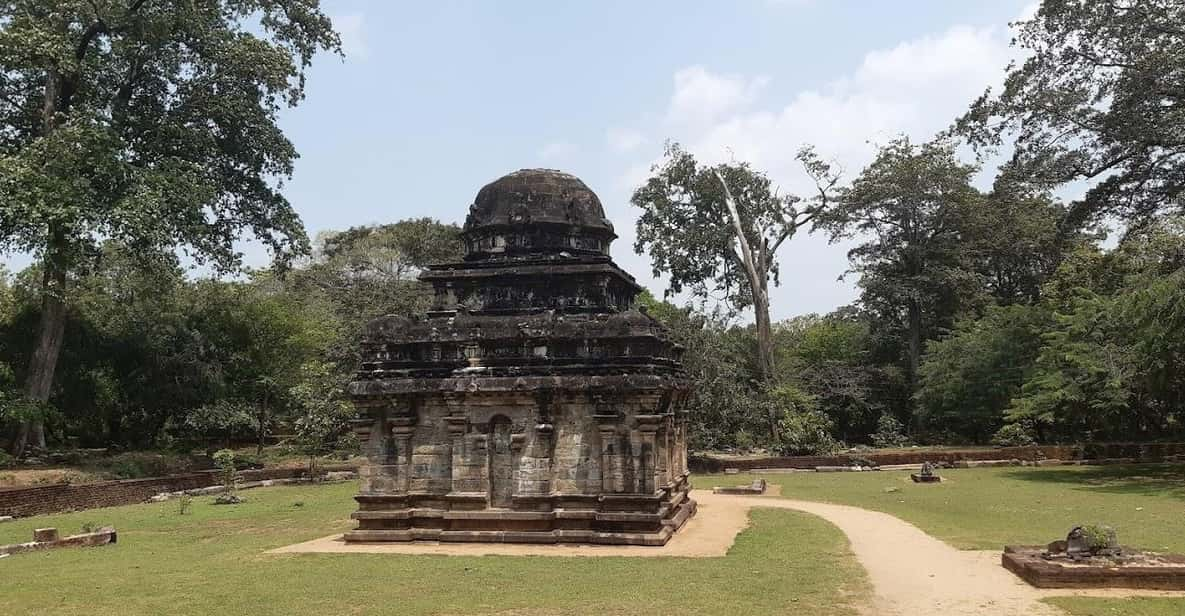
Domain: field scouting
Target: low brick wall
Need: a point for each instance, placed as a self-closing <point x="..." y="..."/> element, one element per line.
<point x="56" y="498"/>
<point x="1145" y="452"/>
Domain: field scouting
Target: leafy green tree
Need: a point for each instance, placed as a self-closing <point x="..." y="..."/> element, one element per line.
<point x="152" y="124"/>
<point x="1015" y="239"/>
<point x="1099" y="97"/>
<point x="365" y="272"/>
<point x="830" y="358"/>
<point x="1110" y="365"/>
<point x="717" y="230"/>
<point x="728" y="408"/>
<point x="321" y="422"/>
<point x="909" y="206"/>
<point x="969" y="378"/>
<point x="259" y="336"/>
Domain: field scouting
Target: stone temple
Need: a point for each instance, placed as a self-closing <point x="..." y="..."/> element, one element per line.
<point x="533" y="402"/>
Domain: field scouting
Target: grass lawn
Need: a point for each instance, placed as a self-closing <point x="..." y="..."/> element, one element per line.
<point x="211" y="561"/>
<point x="988" y="508"/>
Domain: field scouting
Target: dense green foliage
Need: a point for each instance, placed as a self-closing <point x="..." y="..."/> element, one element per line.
<point x="155" y="359"/>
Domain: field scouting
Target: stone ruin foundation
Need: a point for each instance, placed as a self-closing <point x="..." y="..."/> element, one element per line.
<point x="1074" y="563"/>
<point x="533" y="402"/>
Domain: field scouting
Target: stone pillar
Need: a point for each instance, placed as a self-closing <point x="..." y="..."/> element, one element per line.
<point x="402" y="427"/>
<point x="646" y="456"/>
<point x="608" y="424"/>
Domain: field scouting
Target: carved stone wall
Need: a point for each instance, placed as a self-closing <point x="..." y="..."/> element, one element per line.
<point x="533" y="403"/>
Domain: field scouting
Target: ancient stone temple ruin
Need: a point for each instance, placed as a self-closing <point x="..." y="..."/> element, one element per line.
<point x="534" y="402"/>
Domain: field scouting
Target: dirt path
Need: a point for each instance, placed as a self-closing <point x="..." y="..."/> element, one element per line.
<point x="914" y="574"/>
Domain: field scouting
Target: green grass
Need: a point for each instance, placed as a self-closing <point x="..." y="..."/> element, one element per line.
<point x="1141" y="606"/>
<point x="985" y="509"/>
<point x="212" y="562"/>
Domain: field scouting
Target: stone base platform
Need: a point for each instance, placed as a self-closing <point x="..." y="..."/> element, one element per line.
<point x="710" y="533"/>
<point x="1145" y="571"/>
<point x="616" y="519"/>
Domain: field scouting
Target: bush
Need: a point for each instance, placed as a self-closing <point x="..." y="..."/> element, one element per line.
<point x="1013" y="435"/>
<point x="224" y="459"/>
<point x="1098" y="537"/>
<point x="807" y="433"/>
<point x="889" y="432"/>
<point x="6" y="460"/>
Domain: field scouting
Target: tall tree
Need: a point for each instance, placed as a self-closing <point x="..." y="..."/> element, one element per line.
<point x="909" y="205"/>
<point x="716" y="231"/>
<point x="153" y="124"/>
<point x="367" y="271"/>
<point x="1100" y="97"/>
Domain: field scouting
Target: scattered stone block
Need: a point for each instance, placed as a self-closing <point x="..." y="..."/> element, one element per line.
<point x="41" y="535"/>
<point x="732" y="471"/>
<point x="43" y="539"/>
<point x="5" y="518"/>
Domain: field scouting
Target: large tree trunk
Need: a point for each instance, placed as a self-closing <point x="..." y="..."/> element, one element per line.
<point x="765" y="349"/>
<point x="915" y="342"/>
<point x="756" y="267"/>
<point x="43" y="364"/>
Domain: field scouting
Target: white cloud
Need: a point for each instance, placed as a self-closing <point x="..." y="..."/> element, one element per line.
<point x="624" y="139"/>
<point x="917" y="88"/>
<point x="556" y="150"/>
<point x="352" y="29"/>
<point x="701" y="96"/>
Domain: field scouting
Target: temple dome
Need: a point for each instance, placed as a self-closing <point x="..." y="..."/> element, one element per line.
<point x="537" y="196"/>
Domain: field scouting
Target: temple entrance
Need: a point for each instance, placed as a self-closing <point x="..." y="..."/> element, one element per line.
<point x="501" y="470"/>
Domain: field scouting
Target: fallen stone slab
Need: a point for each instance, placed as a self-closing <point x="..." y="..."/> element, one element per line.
<point x="47" y="539"/>
<point x="755" y="488"/>
<point x="5" y="518"/>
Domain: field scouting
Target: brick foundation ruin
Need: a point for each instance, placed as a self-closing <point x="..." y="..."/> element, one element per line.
<point x="534" y="402"/>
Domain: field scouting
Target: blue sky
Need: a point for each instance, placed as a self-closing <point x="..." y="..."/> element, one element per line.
<point x="435" y="99"/>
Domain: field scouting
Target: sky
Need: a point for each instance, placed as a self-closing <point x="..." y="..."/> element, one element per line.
<point x="435" y="99"/>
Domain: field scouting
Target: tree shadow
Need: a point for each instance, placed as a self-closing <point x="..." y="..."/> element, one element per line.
<point x="1132" y="479"/>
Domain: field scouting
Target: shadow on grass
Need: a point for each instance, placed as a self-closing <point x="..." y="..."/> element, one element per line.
<point x="1136" y="479"/>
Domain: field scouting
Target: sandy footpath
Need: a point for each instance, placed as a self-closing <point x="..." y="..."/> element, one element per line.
<point x="912" y="573"/>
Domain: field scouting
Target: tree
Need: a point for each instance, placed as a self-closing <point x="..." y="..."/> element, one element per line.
<point x="1112" y="362"/>
<point x="324" y="411"/>
<point x="367" y="271"/>
<point x="1015" y="239"/>
<point x="718" y="230"/>
<point x="910" y="204"/>
<point x="829" y="358"/>
<point x="1100" y="97"/>
<point x="151" y="124"/>
<point x="727" y="407"/>
<point x="968" y="379"/>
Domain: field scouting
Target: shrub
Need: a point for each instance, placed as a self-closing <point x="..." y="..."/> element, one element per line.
<point x="889" y="432"/>
<point x="807" y="433"/>
<point x="184" y="502"/>
<point x="1013" y="435"/>
<point x="224" y="459"/>
<point x="1098" y="537"/>
<point x="6" y="460"/>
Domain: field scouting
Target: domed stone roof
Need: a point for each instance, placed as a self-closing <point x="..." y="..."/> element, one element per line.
<point x="533" y="196"/>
